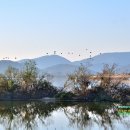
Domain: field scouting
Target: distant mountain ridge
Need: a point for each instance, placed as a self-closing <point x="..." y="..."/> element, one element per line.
<point x="48" y="61"/>
<point x="61" y="69"/>
<point x="121" y="59"/>
<point x="60" y="65"/>
<point x="4" y="64"/>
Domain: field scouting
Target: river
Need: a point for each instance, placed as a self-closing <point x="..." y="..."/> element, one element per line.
<point x="39" y="115"/>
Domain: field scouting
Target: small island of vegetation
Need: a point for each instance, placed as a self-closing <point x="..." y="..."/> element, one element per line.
<point x="29" y="84"/>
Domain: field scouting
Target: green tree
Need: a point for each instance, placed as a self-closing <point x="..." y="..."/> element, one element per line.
<point x="3" y="83"/>
<point x="13" y="76"/>
<point x="11" y="73"/>
<point x="29" y="73"/>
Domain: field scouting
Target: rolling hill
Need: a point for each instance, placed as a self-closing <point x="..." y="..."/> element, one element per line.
<point x="59" y="66"/>
<point x="4" y="64"/>
<point x="121" y="59"/>
<point x="48" y="61"/>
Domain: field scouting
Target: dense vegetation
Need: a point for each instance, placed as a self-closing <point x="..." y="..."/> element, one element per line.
<point x="105" y="86"/>
<point x="25" y="84"/>
<point x="81" y="85"/>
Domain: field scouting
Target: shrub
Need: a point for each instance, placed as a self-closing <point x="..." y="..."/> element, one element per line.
<point x="65" y="95"/>
<point x="109" y="77"/>
<point x="79" y="81"/>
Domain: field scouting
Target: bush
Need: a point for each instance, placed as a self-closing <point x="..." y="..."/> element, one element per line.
<point x="65" y="95"/>
<point x="79" y="81"/>
<point x="109" y="77"/>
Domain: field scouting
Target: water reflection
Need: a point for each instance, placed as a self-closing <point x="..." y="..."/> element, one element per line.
<point x="88" y="115"/>
<point x="61" y="115"/>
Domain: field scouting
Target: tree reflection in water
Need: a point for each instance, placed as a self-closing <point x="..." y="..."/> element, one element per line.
<point x="14" y="114"/>
<point x="87" y="114"/>
<point x="81" y="115"/>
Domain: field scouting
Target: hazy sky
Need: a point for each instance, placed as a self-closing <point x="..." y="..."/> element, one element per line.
<point x="31" y="28"/>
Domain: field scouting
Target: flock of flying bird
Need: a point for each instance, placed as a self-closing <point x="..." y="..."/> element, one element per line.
<point x="55" y="52"/>
<point x="69" y="53"/>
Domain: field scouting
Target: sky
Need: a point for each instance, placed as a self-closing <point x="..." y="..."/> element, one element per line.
<point x="32" y="28"/>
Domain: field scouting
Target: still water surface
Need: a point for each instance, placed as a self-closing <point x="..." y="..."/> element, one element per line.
<point x="62" y="116"/>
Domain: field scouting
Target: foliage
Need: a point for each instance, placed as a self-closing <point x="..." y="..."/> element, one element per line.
<point x="79" y="81"/>
<point x="26" y="82"/>
<point x="29" y="74"/>
<point x="3" y="83"/>
<point x="43" y="83"/>
<point x="65" y="95"/>
<point x="10" y="84"/>
<point x="108" y="77"/>
<point x="29" y="84"/>
<point x="111" y="82"/>
<point x="11" y="73"/>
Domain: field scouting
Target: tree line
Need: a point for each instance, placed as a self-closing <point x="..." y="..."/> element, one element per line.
<point x="81" y="84"/>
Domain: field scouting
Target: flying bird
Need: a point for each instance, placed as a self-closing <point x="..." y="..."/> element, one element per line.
<point x="54" y="52"/>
